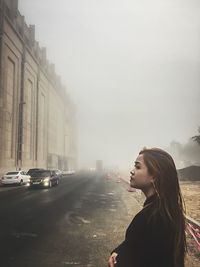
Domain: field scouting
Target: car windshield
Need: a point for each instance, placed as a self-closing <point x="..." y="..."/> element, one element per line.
<point x="41" y="174"/>
<point x="12" y="173"/>
<point x="31" y="171"/>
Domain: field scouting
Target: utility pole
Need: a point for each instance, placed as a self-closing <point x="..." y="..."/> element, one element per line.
<point x="21" y="109"/>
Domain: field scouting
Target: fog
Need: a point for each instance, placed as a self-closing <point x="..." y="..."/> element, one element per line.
<point x="131" y="67"/>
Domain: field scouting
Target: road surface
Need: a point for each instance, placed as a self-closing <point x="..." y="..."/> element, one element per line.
<point x="76" y="223"/>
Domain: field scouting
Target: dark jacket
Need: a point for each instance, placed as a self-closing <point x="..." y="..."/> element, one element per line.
<point x="148" y="240"/>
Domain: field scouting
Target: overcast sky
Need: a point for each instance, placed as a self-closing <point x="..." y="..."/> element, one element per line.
<point x="132" y="68"/>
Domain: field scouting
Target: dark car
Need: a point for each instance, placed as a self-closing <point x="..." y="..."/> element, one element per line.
<point x="44" y="178"/>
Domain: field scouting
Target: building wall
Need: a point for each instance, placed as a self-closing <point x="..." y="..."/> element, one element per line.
<point x="29" y="111"/>
<point x="42" y="122"/>
<point x="10" y="96"/>
<point x="35" y="110"/>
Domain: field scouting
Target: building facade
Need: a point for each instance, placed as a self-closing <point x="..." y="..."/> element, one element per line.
<point x="37" y="117"/>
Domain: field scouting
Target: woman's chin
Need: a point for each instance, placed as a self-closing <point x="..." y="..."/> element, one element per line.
<point x="132" y="185"/>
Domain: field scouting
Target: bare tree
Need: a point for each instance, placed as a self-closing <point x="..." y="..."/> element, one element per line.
<point x="196" y="138"/>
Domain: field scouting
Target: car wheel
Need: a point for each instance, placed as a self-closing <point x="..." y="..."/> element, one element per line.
<point x="21" y="182"/>
<point x="50" y="184"/>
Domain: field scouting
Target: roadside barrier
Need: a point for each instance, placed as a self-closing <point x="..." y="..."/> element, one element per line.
<point x="193" y="228"/>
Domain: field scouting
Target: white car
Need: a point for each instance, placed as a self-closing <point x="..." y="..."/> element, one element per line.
<point x="68" y="172"/>
<point x="15" y="177"/>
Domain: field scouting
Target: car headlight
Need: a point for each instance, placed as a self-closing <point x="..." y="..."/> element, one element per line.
<point x="46" y="179"/>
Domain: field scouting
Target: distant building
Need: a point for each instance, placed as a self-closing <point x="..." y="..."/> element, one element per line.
<point x="37" y="118"/>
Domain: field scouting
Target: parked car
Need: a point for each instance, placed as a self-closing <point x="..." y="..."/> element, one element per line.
<point x="15" y="177"/>
<point x="44" y="178"/>
<point x="68" y="172"/>
<point x="59" y="173"/>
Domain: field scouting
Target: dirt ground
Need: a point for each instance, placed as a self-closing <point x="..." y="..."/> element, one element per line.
<point x="191" y="196"/>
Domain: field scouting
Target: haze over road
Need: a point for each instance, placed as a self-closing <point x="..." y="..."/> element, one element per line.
<point x="131" y="67"/>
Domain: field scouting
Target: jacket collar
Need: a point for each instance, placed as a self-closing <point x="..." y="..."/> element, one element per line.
<point x="150" y="199"/>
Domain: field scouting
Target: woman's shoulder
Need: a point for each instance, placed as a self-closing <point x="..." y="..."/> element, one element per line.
<point x="140" y="219"/>
<point x="151" y="214"/>
<point x="146" y="211"/>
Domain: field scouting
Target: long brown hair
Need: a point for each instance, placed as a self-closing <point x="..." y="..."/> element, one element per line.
<point x="162" y="167"/>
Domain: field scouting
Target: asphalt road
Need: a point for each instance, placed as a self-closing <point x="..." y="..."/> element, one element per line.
<point x="73" y="224"/>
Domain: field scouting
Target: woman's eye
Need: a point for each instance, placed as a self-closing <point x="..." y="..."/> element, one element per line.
<point x="137" y="167"/>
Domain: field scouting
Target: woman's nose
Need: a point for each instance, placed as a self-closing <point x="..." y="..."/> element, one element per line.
<point x="132" y="172"/>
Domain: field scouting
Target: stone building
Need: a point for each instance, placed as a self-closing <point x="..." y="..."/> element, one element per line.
<point x="37" y="117"/>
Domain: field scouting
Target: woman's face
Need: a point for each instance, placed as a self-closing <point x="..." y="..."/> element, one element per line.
<point x="140" y="177"/>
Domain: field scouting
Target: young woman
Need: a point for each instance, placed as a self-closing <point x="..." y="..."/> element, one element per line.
<point x="156" y="235"/>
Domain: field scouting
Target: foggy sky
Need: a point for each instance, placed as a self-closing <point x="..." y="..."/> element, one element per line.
<point x="131" y="67"/>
